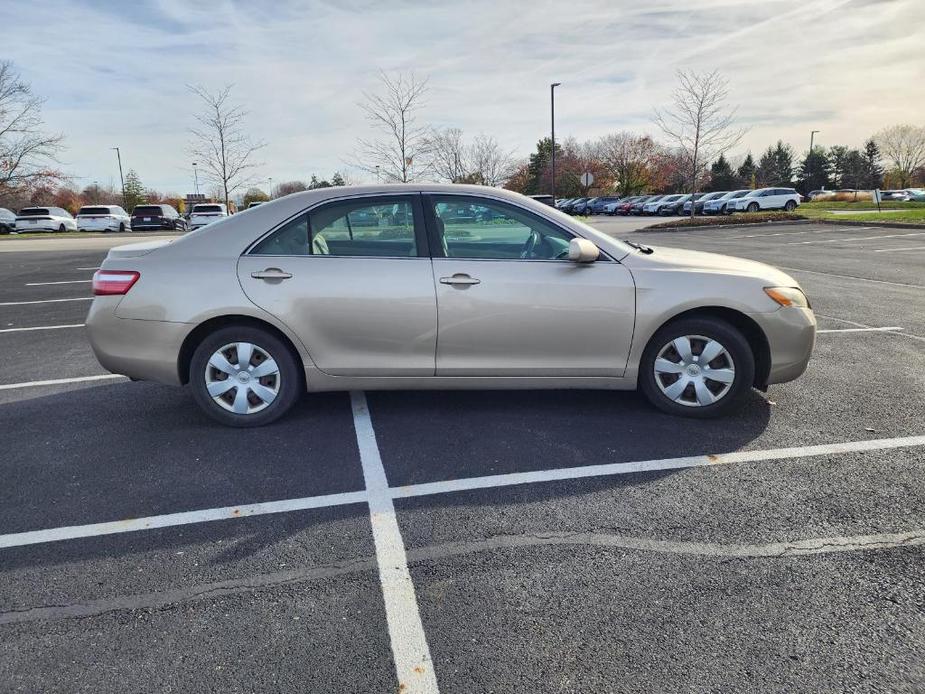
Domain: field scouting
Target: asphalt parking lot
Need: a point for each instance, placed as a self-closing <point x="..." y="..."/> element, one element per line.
<point x="473" y="541"/>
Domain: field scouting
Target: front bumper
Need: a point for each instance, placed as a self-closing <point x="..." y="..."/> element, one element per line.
<point x="143" y="350"/>
<point x="791" y="334"/>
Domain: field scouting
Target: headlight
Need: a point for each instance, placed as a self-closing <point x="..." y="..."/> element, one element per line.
<point x="788" y="296"/>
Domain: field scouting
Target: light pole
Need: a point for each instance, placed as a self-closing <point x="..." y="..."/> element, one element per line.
<point x="812" y="134"/>
<point x="196" y="178"/>
<point x="378" y="177"/>
<point x="121" y="178"/>
<point x="552" y="119"/>
<point x="270" y="186"/>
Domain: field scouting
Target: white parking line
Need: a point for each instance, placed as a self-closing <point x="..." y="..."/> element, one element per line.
<point x="170" y="520"/>
<point x="43" y="284"/>
<point x="865" y="326"/>
<point x="463" y="484"/>
<point x="87" y="268"/>
<point x="861" y="238"/>
<point x="851" y="277"/>
<point x="45" y="301"/>
<point x="60" y="381"/>
<point x="892" y="329"/>
<point x="410" y="652"/>
<point x="40" y="327"/>
<point x="897" y="250"/>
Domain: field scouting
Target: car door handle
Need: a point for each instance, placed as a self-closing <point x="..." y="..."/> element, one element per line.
<point x="460" y="279"/>
<point x="271" y="273"/>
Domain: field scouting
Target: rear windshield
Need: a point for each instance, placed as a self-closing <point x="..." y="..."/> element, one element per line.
<point x="34" y="212"/>
<point x="94" y="210"/>
<point x="207" y="208"/>
<point x="148" y="209"/>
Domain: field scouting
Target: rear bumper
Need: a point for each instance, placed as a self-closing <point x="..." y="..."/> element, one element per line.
<point x="144" y="350"/>
<point x="791" y="334"/>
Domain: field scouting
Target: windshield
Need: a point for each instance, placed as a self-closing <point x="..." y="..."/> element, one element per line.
<point x="147" y="210"/>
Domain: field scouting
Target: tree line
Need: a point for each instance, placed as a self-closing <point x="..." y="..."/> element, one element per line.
<point x="698" y="131"/>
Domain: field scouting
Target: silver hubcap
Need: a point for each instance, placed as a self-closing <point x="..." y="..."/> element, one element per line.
<point x="694" y="370"/>
<point x="242" y="378"/>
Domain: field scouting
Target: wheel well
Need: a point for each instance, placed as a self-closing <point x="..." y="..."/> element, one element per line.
<point x="203" y="330"/>
<point x="753" y="333"/>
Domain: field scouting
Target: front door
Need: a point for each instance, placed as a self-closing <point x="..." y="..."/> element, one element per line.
<point x="353" y="279"/>
<point x="509" y="301"/>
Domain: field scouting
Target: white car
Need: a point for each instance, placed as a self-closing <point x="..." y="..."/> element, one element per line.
<point x="206" y="213"/>
<point x="44" y="219"/>
<point x="767" y="199"/>
<point x="102" y="218"/>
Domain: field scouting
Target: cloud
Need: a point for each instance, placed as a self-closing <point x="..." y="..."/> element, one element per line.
<point x="118" y="77"/>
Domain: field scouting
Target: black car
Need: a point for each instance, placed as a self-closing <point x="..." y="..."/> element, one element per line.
<point x="7" y="220"/>
<point x="157" y="217"/>
<point x="574" y="205"/>
<point x="545" y="199"/>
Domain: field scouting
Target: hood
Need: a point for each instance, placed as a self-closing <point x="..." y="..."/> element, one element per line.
<point x="679" y="259"/>
<point x="136" y="250"/>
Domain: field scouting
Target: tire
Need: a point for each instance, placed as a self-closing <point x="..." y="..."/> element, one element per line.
<point x="753" y="207"/>
<point x="62" y="228"/>
<point x="790" y="206"/>
<point x="736" y="361"/>
<point x="121" y="227"/>
<point x="287" y="381"/>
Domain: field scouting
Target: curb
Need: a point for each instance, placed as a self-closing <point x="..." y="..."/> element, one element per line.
<point x="743" y="225"/>
<point x="884" y="225"/>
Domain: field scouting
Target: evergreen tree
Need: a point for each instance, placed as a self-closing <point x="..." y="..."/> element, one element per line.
<point x="540" y="167"/>
<point x="747" y="172"/>
<point x="837" y="156"/>
<point x="776" y="166"/>
<point x="134" y="191"/>
<point x="337" y="180"/>
<point x="722" y="177"/>
<point x="873" y="172"/>
<point x="855" y="170"/>
<point x="815" y="171"/>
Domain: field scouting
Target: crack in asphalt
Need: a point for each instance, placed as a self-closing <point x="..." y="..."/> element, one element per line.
<point x="166" y="599"/>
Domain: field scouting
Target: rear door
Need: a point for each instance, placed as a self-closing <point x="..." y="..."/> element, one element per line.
<point x="511" y="304"/>
<point x="353" y="279"/>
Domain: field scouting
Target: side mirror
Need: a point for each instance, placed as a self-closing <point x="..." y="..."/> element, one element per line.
<point x="582" y="251"/>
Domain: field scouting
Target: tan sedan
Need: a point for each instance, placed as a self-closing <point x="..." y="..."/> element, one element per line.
<point x="438" y="286"/>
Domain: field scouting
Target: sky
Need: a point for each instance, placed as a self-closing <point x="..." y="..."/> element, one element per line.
<point x="118" y="72"/>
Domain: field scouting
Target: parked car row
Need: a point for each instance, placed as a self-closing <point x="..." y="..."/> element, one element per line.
<point x="102" y="218"/>
<point x="717" y="202"/>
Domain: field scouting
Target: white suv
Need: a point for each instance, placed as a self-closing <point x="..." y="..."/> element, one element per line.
<point x="767" y="199"/>
<point x="102" y="218"/>
<point x="44" y="219"/>
<point x="206" y="213"/>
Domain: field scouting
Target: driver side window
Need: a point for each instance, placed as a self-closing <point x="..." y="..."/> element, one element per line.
<point x="478" y="228"/>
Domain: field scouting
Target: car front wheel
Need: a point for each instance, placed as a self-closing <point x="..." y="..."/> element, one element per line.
<point x="753" y="207"/>
<point x="696" y="367"/>
<point x="245" y="376"/>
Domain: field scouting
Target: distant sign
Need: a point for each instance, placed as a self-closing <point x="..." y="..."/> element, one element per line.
<point x="587" y="179"/>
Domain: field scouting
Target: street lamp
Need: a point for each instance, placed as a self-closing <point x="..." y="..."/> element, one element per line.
<point x="196" y="178"/>
<point x="121" y="178"/>
<point x="552" y="118"/>
<point x="270" y="186"/>
<point x="812" y="134"/>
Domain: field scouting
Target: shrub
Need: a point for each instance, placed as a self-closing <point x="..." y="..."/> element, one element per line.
<point x="723" y="220"/>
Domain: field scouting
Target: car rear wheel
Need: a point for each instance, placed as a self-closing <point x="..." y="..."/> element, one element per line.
<point x="696" y="367"/>
<point x="243" y="376"/>
<point x="790" y="206"/>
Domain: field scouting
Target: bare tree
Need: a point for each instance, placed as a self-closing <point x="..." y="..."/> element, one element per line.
<point x="448" y="156"/>
<point x="401" y="154"/>
<point x="904" y="146"/>
<point x="629" y="159"/>
<point x="27" y="155"/>
<point x="698" y="122"/>
<point x="492" y="165"/>
<point x="224" y="151"/>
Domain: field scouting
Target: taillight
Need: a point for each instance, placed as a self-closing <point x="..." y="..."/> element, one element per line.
<point x="113" y="282"/>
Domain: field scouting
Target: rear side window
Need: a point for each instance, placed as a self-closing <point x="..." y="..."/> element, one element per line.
<point x="384" y="228"/>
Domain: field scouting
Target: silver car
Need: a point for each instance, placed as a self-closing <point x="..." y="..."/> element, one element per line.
<point x="438" y="286"/>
